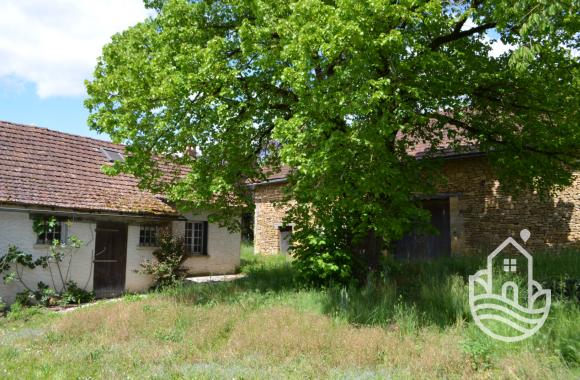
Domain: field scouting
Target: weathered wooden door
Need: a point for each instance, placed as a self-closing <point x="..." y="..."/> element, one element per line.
<point x="423" y="245"/>
<point x="110" y="259"/>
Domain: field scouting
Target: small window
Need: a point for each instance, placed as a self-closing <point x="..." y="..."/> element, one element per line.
<point x="52" y="233"/>
<point x="196" y="238"/>
<point x="149" y="236"/>
<point x="112" y="155"/>
<point x="509" y="265"/>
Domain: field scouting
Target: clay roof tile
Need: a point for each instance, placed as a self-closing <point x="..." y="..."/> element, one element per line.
<point x="42" y="167"/>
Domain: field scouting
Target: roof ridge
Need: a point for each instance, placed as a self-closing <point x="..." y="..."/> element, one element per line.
<point x="58" y="132"/>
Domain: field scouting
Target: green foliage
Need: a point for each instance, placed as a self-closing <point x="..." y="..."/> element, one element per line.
<point x="167" y="268"/>
<point x="321" y="262"/>
<point x="15" y="261"/>
<point x="58" y="259"/>
<point x="18" y="257"/>
<point x="43" y="225"/>
<point x="480" y="351"/>
<point x="411" y="297"/>
<point x="20" y="312"/>
<point x="45" y="295"/>
<point x="74" y="295"/>
<point x="133" y="297"/>
<point x="24" y="298"/>
<point x="48" y="296"/>
<point x="341" y="91"/>
<point x="247" y="251"/>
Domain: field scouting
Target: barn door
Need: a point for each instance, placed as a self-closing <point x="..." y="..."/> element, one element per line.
<point x="110" y="259"/>
<point x="423" y="245"/>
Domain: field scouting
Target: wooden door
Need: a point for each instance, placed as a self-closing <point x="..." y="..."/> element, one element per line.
<point x="424" y="245"/>
<point x="110" y="259"/>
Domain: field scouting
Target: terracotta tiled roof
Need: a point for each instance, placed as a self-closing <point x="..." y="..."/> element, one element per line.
<point x="47" y="168"/>
<point x="418" y="149"/>
<point x="272" y="175"/>
<point x="421" y="149"/>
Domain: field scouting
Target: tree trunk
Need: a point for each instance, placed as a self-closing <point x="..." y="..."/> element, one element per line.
<point x="369" y="252"/>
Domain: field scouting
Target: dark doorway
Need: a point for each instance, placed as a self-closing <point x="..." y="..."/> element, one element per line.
<point x="248" y="227"/>
<point x="425" y="245"/>
<point x="285" y="236"/>
<point x="110" y="259"/>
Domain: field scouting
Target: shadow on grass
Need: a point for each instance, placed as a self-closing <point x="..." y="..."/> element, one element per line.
<point x="265" y="276"/>
<point x="408" y="294"/>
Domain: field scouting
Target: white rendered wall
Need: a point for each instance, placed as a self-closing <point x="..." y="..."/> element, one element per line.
<point x="223" y="248"/>
<point x="16" y="229"/>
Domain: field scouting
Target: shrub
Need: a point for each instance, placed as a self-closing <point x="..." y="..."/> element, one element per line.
<point x="60" y="255"/>
<point x="166" y="268"/>
<point x="320" y="263"/>
<point x="75" y="295"/>
<point x="45" y="295"/>
<point x="24" y="298"/>
<point x="480" y="351"/>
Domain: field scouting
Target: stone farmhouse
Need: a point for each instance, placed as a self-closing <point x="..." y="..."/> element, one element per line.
<point x="471" y="212"/>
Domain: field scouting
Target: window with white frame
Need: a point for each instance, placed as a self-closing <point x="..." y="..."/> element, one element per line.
<point x="196" y="238"/>
<point x="149" y="236"/>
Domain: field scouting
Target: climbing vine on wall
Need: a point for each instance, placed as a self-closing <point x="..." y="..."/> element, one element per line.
<point x="57" y="261"/>
<point x="44" y="225"/>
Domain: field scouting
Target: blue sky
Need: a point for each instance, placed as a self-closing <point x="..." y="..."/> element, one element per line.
<point x="48" y="49"/>
<point x="63" y="113"/>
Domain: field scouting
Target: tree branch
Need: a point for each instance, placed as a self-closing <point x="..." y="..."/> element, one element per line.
<point x="263" y="135"/>
<point x="474" y="5"/>
<point x="458" y="34"/>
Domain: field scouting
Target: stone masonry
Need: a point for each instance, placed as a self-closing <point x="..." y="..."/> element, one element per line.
<point x="481" y="214"/>
<point x="268" y="217"/>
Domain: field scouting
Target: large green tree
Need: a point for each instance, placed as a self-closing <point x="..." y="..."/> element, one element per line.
<point x="340" y="91"/>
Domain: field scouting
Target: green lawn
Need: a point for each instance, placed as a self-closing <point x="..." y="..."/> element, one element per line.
<point x="414" y="324"/>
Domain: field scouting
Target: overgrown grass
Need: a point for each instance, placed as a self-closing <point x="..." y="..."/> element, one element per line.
<point x="413" y="323"/>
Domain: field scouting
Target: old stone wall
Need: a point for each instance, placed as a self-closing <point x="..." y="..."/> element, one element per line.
<point x="485" y="213"/>
<point x="268" y="218"/>
<point x="482" y="214"/>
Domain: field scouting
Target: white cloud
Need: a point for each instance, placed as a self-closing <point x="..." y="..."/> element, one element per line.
<point x="54" y="44"/>
<point x="497" y="47"/>
<point x="469" y="24"/>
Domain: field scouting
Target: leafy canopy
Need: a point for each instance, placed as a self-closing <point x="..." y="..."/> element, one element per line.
<point x="340" y="91"/>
